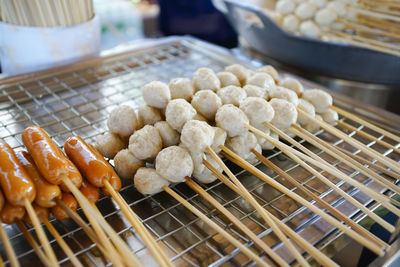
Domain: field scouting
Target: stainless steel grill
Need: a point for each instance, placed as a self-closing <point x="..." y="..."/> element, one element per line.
<point x="76" y="99"/>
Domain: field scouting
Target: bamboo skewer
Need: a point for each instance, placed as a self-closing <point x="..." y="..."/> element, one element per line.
<point x="323" y="179"/>
<point x="40" y="233"/>
<point x="266" y="216"/>
<point x="361" y="230"/>
<point x="387" y="161"/>
<point x="8" y="247"/>
<point x="152" y="245"/>
<point x="366" y="123"/>
<point x="318" y="255"/>
<point x="43" y="258"/>
<point x="348" y="160"/>
<point x="74" y="260"/>
<point x="368" y="136"/>
<point x="205" y="195"/>
<point x="216" y="227"/>
<point x="334" y="171"/>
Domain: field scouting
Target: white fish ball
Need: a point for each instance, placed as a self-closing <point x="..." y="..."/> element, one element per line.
<point x="169" y="136"/>
<point x="318" y="3"/>
<point x="310" y="29"/>
<point x="258" y="110"/>
<point x="219" y="139"/>
<point x="122" y="121"/>
<point x="147" y="181"/>
<point x="126" y="164"/>
<point x="291" y="23"/>
<point x="156" y="94"/>
<point x="268" y="69"/>
<point x="239" y="71"/>
<point x="145" y="143"/>
<point x="321" y="100"/>
<point x="266" y="145"/>
<point x="286" y="94"/>
<point x="206" y="176"/>
<point x="285" y="6"/>
<point x="178" y="112"/>
<point x="308" y="108"/>
<point x="242" y="144"/>
<point x="231" y="119"/>
<point x="109" y="144"/>
<point x="325" y="16"/>
<point x="197" y="135"/>
<point x="227" y="78"/>
<point x="330" y="116"/>
<point x="205" y="79"/>
<point x="292" y="84"/>
<point x="206" y="102"/>
<point x="174" y="163"/>
<point x="148" y="115"/>
<point x="256" y="91"/>
<point x="263" y="80"/>
<point x="312" y="126"/>
<point x="305" y="11"/>
<point x="285" y="113"/>
<point x="339" y="7"/>
<point x="232" y="95"/>
<point x="181" y="88"/>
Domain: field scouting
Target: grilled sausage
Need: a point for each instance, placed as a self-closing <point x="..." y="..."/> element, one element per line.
<point x="115" y="182"/>
<point x="69" y="201"/>
<point x="50" y="160"/>
<point x="10" y="214"/>
<point x="15" y="182"/>
<point x="40" y="212"/>
<point x="1" y="200"/>
<point x="90" y="192"/>
<point x="46" y="193"/>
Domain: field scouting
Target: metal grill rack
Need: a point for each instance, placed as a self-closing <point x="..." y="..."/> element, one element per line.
<point x="77" y="99"/>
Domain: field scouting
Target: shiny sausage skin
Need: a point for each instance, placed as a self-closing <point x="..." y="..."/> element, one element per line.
<point x="10" y="214"/>
<point x="91" y="164"/>
<point x="1" y="200"/>
<point x="90" y="192"/>
<point x="40" y="212"/>
<point x="46" y="193"/>
<point x="115" y="182"/>
<point x="50" y="160"/>
<point x="15" y="181"/>
<point x="70" y="202"/>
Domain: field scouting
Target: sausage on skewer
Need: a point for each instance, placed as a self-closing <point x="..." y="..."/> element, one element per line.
<point x="69" y="200"/>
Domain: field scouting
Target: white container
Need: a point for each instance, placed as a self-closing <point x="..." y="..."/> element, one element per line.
<point x="25" y="49"/>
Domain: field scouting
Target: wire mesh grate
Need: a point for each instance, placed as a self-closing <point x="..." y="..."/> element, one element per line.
<point x="78" y="102"/>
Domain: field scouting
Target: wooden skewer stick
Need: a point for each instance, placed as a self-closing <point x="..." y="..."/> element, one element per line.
<point x="318" y="255"/>
<point x="216" y="227"/>
<point x="357" y="237"/>
<point x="74" y="260"/>
<point x="8" y="247"/>
<point x="361" y="230"/>
<point x="323" y="179"/>
<point x="395" y="166"/>
<point x="266" y="216"/>
<point x="368" y="136"/>
<point x="366" y="123"/>
<point x="334" y="171"/>
<point x="43" y="258"/>
<point x="40" y="233"/>
<point x="345" y="158"/>
<point x="1" y="258"/>
<point x="205" y="195"/>
<point x="151" y="244"/>
<point x="372" y="165"/>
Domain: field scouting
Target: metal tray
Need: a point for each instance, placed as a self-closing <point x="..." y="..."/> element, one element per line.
<point x="76" y="99"/>
<point x="336" y="60"/>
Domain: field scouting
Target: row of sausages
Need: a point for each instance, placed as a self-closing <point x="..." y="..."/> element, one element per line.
<point x="37" y="175"/>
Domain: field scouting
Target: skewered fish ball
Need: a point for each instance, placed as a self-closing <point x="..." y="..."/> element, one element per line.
<point x="265" y="145"/>
<point x="330" y="116"/>
<point x="339" y="7"/>
<point x="256" y="91"/>
<point x="197" y="135"/>
<point x="305" y="11"/>
<point x="206" y="102"/>
<point x="307" y="107"/>
<point x="109" y="145"/>
<point x="325" y="16"/>
<point x="258" y="110"/>
<point x="285" y="113"/>
<point x="174" y="163"/>
<point x="320" y="99"/>
<point x="206" y="176"/>
<point x="156" y="94"/>
<point x="318" y="3"/>
<point x="285" y="6"/>
<point x="312" y="126"/>
<point x="242" y="144"/>
<point x="240" y="72"/>
<point x="286" y="94"/>
<point x="219" y="139"/>
<point x="292" y="84"/>
<point x="126" y="164"/>
<point x="178" y="112"/>
<point x="232" y="120"/>
<point x="291" y="23"/>
<point x="122" y="121"/>
<point x="268" y="69"/>
<point x="198" y="166"/>
<point x="169" y="136"/>
<point x="145" y="143"/>
<point x="181" y="88"/>
<point x="310" y="29"/>
<point x="262" y="80"/>
<point x="205" y="79"/>
<point x="148" y="115"/>
<point x="227" y="78"/>
<point x="147" y="181"/>
<point x="232" y="95"/>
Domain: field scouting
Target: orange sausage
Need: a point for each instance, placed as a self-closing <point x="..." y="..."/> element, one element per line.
<point x="90" y="192"/>
<point x="10" y="214"/>
<point x="50" y="160"/>
<point x="1" y="200"/>
<point x="40" y="212"/>
<point x="46" y="193"/>
<point x="15" y="182"/>
<point x="92" y="165"/>
<point x="115" y="182"/>
<point x="70" y="202"/>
